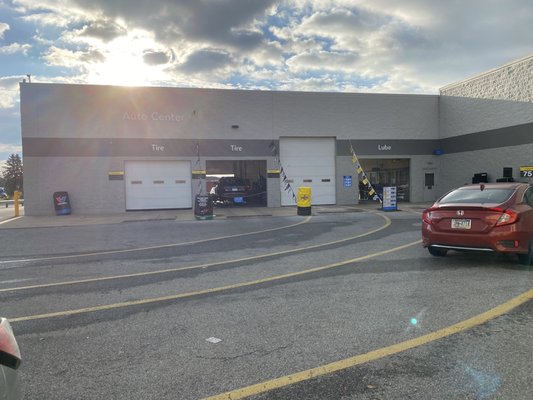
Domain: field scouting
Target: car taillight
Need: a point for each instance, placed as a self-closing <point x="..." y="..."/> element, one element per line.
<point x="9" y="349"/>
<point x="507" y="217"/>
<point x="426" y="215"/>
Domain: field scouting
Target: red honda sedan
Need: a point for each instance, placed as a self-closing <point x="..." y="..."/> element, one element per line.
<point x="490" y="217"/>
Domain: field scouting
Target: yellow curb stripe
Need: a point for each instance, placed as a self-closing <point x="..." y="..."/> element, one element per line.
<point x="375" y="354"/>
<point x="202" y="266"/>
<point x="163" y="246"/>
<point x="207" y="291"/>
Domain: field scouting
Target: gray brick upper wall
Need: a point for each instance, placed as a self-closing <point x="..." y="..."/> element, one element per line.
<point x="513" y="81"/>
<point x="498" y="98"/>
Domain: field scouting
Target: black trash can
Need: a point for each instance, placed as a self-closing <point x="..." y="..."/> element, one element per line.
<point x="203" y="206"/>
<point x="61" y="203"/>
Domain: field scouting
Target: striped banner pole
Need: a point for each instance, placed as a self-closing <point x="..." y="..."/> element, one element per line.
<point x="364" y="180"/>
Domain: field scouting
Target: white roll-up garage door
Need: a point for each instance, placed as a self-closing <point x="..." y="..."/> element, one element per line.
<point x="153" y="185"/>
<point x="309" y="162"/>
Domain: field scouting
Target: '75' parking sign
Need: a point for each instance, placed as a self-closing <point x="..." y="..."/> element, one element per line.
<point x="526" y="172"/>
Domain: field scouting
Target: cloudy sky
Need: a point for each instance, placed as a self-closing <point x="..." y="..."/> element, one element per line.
<point x="394" y="46"/>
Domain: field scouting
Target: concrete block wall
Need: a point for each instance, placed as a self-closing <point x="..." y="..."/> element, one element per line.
<point x="355" y="115"/>
<point x="419" y="165"/>
<point x="89" y="111"/>
<point x="459" y="168"/>
<point x="512" y="81"/>
<point x="464" y="115"/>
<point x="498" y="98"/>
<point x="346" y="195"/>
<point x="84" y="178"/>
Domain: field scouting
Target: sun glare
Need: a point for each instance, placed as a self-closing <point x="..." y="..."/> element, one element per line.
<point x="124" y="64"/>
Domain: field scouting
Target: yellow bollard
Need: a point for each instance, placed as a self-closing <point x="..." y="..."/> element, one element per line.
<point x="304" y="201"/>
<point x="16" y="196"/>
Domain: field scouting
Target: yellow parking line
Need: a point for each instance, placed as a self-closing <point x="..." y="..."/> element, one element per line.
<point x="163" y="246"/>
<point x="203" y="266"/>
<point x="208" y="291"/>
<point x="375" y="354"/>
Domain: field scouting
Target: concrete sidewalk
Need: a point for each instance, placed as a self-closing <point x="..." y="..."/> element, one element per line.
<point x="8" y="222"/>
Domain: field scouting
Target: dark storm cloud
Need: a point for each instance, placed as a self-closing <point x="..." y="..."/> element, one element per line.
<point x="104" y="30"/>
<point x="152" y="57"/>
<point x="220" y="21"/>
<point x="205" y="60"/>
<point x="92" y="56"/>
<point x="245" y="40"/>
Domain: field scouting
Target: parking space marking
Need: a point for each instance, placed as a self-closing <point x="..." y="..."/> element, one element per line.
<point x="375" y="354"/>
<point x="212" y="290"/>
<point x="9" y="220"/>
<point x="163" y="246"/>
<point x="201" y="266"/>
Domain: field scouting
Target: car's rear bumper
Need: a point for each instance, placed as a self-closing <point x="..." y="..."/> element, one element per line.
<point x="504" y="239"/>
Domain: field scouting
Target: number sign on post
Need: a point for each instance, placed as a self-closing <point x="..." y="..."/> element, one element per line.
<point x="526" y="172"/>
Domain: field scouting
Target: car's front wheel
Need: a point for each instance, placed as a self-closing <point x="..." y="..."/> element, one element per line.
<point x="435" y="251"/>
<point x="526" y="259"/>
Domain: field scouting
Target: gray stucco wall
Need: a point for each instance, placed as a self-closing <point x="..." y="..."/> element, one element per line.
<point x="355" y="115"/>
<point x="346" y="195"/>
<point x="462" y="115"/>
<point x="495" y="99"/>
<point x="418" y="167"/>
<point x="501" y="98"/>
<point x="85" y="178"/>
<point x="121" y="123"/>
<point x="459" y="168"/>
<point x="52" y="111"/>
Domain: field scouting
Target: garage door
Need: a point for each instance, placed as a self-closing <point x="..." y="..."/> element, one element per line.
<point x="153" y="185"/>
<point x="309" y="162"/>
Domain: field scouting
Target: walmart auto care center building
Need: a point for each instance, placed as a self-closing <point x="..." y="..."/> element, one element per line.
<point x="115" y="149"/>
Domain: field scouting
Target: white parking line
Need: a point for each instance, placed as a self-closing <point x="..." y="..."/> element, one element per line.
<point x="100" y="253"/>
<point x="10" y="220"/>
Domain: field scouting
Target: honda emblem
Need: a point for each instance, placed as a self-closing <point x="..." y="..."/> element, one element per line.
<point x="460" y="212"/>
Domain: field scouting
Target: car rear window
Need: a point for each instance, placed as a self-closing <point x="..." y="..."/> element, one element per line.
<point x="477" y="196"/>
<point x="232" y="182"/>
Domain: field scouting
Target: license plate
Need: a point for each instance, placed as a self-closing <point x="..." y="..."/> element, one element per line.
<point x="461" y="223"/>
<point x="234" y="189"/>
<point x="238" y="200"/>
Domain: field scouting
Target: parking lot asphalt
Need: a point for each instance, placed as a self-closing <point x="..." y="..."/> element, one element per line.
<point x="168" y="308"/>
<point x="8" y="221"/>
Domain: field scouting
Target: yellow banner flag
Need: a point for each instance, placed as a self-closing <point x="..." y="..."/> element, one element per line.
<point x="359" y="170"/>
<point x="365" y="181"/>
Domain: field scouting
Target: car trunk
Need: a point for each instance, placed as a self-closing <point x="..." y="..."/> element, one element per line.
<point x="465" y="219"/>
